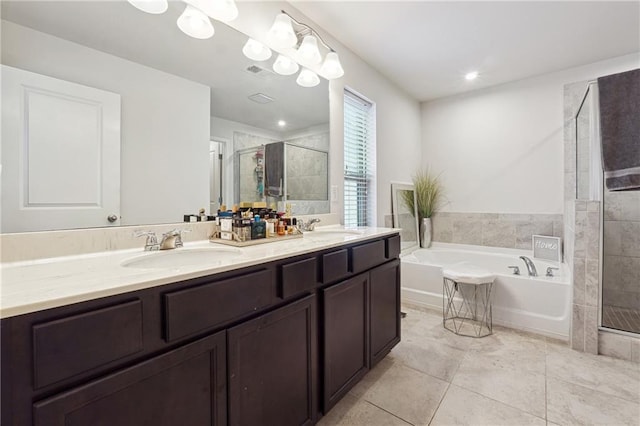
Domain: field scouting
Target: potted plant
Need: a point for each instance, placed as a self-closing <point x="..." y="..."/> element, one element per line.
<point x="428" y="190"/>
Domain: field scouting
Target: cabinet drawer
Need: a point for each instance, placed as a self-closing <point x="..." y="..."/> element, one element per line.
<point x="367" y="256"/>
<point x="186" y="386"/>
<point x="206" y="306"/>
<point x="298" y="277"/>
<point x="335" y="266"/>
<point x="105" y="335"/>
<point x="393" y="247"/>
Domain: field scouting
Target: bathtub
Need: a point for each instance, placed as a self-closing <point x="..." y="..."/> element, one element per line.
<point x="537" y="304"/>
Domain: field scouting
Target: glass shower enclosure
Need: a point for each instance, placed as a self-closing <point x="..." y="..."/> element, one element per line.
<point x="620" y="224"/>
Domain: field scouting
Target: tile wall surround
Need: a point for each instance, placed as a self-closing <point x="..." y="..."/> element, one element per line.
<point x="586" y="274"/>
<point x="619" y="346"/>
<point x="621" y="249"/>
<point x="507" y="230"/>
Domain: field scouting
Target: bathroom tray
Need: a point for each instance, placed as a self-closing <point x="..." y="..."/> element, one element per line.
<point x="255" y="242"/>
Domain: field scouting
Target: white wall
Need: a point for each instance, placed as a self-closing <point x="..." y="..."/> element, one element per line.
<point x="398" y="114"/>
<point x="165" y="133"/>
<point x="500" y="150"/>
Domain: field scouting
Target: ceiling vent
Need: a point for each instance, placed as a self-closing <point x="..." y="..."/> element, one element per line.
<point x="259" y="71"/>
<point x="255" y="69"/>
<point x="261" y="98"/>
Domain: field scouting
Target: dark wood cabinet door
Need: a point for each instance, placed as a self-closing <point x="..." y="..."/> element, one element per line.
<point x="346" y="337"/>
<point x="385" y="309"/>
<point x="273" y="367"/>
<point x="186" y="386"/>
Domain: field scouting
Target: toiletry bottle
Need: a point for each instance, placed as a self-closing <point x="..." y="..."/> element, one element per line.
<point x="281" y="229"/>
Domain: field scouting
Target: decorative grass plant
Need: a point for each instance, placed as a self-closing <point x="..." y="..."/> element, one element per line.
<point x="428" y="189"/>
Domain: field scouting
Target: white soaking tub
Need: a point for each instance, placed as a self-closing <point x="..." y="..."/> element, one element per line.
<point x="538" y="304"/>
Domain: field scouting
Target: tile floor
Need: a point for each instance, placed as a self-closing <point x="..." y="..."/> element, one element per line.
<point x="434" y="377"/>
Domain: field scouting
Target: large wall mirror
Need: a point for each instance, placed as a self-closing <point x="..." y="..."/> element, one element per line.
<point x="142" y="111"/>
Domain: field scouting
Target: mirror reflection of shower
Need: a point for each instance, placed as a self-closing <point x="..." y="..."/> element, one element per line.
<point x="620" y="214"/>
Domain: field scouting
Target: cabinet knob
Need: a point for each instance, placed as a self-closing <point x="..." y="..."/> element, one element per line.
<point x="112" y="218"/>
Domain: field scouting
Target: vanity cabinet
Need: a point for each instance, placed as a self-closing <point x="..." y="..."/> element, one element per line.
<point x="273" y="367"/>
<point x="361" y="324"/>
<point x="345" y="336"/>
<point x="185" y="386"/>
<point x="384" y="293"/>
<point x="276" y="343"/>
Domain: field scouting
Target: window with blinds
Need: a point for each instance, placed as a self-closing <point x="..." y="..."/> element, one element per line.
<point x="359" y="160"/>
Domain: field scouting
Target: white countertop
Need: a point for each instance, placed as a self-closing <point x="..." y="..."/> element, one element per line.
<point x="36" y="285"/>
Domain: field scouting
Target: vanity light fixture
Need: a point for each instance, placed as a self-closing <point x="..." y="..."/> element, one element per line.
<point x="471" y="75"/>
<point x="308" y="50"/>
<point x="285" y="66"/>
<point x="331" y="67"/>
<point x="220" y="10"/>
<point x="155" y="7"/>
<point x="282" y="35"/>
<point x="193" y="22"/>
<point x="255" y="50"/>
<point x="282" y="123"/>
<point x="308" y="78"/>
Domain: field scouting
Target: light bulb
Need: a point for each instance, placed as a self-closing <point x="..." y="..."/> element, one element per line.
<point x="281" y="34"/>
<point x="221" y="10"/>
<point x="308" y="50"/>
<point x="195" y="23"/>
<point x="471" y="76"/>
<point x="282" y="123"/>
<point x="150" y="6"/>
<point x="255" y="50"/>
<point x="331" y="68"/>
<point x="285" y="66"/>
<point x="308" y="78"/>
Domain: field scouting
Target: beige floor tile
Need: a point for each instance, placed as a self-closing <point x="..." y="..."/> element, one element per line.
<point x="512" y="386"/>
<point x="430" y="356"/>
<point x="411" y="318"/>
<point x="463" y="407"/>
<point x="612" y="376"/>
<point x="372" y="377"/>
<point x="508" y="350"/>
<point x="408" y="394"/>
<point x="431" y="327"/>
<point x="351" y="411"/>
<point x="570" y="404"/>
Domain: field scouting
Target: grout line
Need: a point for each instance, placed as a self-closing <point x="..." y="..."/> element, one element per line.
<point x="498" y="401"/>
<point x="597" y="390"/>
<point x="439" y="403"/>
<point x="546" y="390"/>
<point x="388" y="412"/>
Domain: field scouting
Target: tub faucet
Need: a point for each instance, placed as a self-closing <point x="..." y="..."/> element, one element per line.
<point x="531" y="268"/>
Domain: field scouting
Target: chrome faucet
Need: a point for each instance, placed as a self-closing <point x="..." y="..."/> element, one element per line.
<point x="171" y="240"/>
<point x="531" y="268"/>
<point x="151" y="244"/>
<point x="308" y="226"/>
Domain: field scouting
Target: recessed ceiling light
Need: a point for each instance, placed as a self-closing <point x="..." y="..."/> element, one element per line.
<point x="471" y="76"/>
<point x="282" y="123"/>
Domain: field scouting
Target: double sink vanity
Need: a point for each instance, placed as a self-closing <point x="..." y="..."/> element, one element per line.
<point x="274" y="334"/>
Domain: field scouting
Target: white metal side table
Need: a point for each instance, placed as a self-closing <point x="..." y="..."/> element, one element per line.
<point x="467" y="300"/>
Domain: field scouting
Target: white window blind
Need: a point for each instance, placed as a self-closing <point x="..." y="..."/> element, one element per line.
<point x="359" y="161"/>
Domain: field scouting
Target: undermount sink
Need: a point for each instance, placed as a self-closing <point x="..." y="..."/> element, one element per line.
<point x="181" y="257"/>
